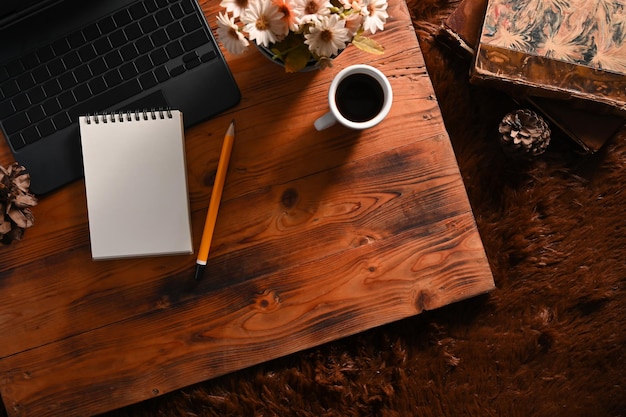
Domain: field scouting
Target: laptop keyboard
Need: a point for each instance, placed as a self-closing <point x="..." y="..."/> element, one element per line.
<point x="99" y="66"/>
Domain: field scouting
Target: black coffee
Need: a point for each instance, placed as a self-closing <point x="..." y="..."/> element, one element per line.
<point x="359" y="97"/>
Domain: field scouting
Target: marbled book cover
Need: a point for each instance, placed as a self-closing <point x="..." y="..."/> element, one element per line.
<point x="556" y="48"/>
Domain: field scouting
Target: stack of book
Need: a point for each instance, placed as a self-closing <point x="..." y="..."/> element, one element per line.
<point x="567" y="60"/>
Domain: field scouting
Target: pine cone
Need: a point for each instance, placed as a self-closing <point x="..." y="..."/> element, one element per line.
<point x="524" y="133"/>
<point x="15" y="200"/>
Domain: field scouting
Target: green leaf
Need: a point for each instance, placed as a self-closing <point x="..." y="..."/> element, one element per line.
<point x="368" y="45"/>
<point x="297" y="59"/>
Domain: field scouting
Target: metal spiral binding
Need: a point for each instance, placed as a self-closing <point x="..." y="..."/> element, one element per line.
<point x="127" y="116"/>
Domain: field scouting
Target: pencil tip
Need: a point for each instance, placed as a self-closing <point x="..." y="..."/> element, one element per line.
<point x="231" y="128"/>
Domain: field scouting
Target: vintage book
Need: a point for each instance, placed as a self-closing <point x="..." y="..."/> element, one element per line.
<point x="136" y="184"/>
<point x="574" y="51"/>
<point x="462" y="27"/>
<point x="590" y="130"/>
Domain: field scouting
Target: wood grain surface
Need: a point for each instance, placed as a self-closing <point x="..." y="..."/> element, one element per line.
<point x="320" y="235"/>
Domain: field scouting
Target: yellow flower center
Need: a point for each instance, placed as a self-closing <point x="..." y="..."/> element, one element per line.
<point x="326" y="36"/>
<point x="262" y="23"/>
<point x="311" y="8"/>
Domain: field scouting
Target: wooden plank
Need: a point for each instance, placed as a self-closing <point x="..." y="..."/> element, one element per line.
<point x="320" y="235"/>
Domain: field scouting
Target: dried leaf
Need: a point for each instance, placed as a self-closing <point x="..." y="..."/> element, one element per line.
<point x="368" y="45"/>
<point x="297" y="59"/>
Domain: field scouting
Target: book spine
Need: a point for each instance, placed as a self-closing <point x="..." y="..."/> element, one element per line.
<point x="128" y="116"/>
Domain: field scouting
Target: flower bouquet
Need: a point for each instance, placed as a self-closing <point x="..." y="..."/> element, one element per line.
<point x="301" y="32"/>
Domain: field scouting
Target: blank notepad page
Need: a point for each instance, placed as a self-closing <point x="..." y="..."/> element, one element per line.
<point x="136" y="184"/>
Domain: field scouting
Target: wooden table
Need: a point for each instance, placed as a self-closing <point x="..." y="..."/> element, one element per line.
<point x="320" y="235"/>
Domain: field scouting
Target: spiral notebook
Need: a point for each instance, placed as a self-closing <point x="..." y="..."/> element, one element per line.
<point x="136" y="184"/>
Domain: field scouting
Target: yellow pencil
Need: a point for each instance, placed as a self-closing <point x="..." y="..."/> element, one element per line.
<point x="214" y="204"/>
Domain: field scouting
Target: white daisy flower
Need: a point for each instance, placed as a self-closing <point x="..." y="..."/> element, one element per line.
<point x="375" y="15"/>
<point x="311" y="11"/>
<point x="229" y="34"/>
<point x="328" y="36"/>
<point x="264" y="22"/>
<point x="286" y="7"/>
<point x="236" y="7"/>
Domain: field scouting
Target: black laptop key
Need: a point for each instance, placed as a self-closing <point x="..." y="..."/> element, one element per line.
<point x="102" y="46"/>
<point x="147" y="80"/>
<point x="194" y="40"/>
<point x="87" y="53"/>
<point x="91" y="32"/>
<point x="60" y="47"/>
<point x="158" y="56"/>
<point x="164" y="17"/>
<point x="148" y="24"/>
<point x="76" y="39"/>
<point x="129" y="52"/>
<point x="137" y="11"/>
<point x="21" y="102"/>
<point x="25" y="81"/>
<point x="118" y="38"/>
<point x="112" y="78"/>
<point x="36" y="94"/>
<point x="10" y="88"/>
<point x="29" y="135"/>
<point x="143" y="64"/>
<point x="67" y="81"/>
<point x="6" y="108"/>
<point x="177" y="11"/>
<point x="159" y="37"/>
<point x="188" y="6"/>
<point x="71" y="59"/>
<point x="46" y="128"/>
<point x="97" y="85"/>
<point x="191" y="22"/>
<point x="41" y="74"/>
<point x="52" y="88"/>
<point x="122" y="18"/>
<point x="16" y="123"/>
<point x="113" y="59"/>
<point x="17" y="141"/>
<point x="98" y="66"/>
<point x="133" y="31"/>
<point x="144" y="45"/>
<point x="61" y="121"/>
<point x="128" y="71"/>
<point x="175" y="30"/>
<point x="174" y="49"/>
<point x="161" y="74"/>
<point x="151" y="6"/>
<point x="36" y="114"/>
<point x="82" y="73"/>
<point x="108" y="98"/>
<point x="82" y="92"/>
<point x="51" y="106"/>
<point x="67" y="100"/>
<point x="106" y="25"/>
<point x="56" y="67"/>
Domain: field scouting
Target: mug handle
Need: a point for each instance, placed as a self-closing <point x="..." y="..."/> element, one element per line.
<point x="325" y="121"/>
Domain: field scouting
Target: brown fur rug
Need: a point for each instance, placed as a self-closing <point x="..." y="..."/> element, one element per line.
<point x="549" y="341"/>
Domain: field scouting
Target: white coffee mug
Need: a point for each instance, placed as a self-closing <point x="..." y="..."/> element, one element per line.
<point x="359" y="97"/>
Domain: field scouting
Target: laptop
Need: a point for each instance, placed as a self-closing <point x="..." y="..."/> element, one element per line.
<point x="60" y="59"/>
